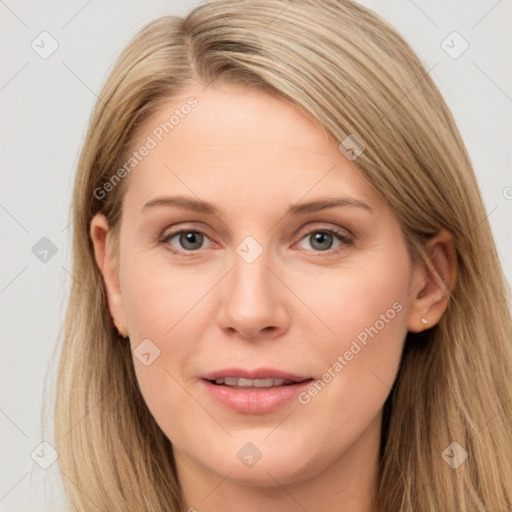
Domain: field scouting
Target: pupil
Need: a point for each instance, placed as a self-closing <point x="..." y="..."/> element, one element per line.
<point x="322" y="241"/>
<point x="191" y="240"/>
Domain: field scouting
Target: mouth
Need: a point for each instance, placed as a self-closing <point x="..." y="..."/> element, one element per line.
<point x="247" y="384"/>
<point x="254" y="391"/>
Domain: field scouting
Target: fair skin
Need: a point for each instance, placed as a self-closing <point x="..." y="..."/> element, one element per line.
<point x="297" y="307"/>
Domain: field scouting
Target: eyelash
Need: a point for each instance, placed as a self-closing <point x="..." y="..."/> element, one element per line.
<point x="346" y="241"/>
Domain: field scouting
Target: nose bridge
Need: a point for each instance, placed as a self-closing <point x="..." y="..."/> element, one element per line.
<point x="252" y="280"/>
<point x="253" y="301"/>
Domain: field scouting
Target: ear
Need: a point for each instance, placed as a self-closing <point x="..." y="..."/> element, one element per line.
<point x="108" y="266"/>
<point x="432" y="283"/>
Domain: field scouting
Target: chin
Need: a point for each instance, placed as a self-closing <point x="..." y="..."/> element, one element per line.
<point x="266" y="462"/>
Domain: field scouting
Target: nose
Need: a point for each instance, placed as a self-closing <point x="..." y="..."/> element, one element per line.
<point x="254" y="301"/>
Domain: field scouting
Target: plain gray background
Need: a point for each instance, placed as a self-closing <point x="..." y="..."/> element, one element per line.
<point x="46" y="103"/>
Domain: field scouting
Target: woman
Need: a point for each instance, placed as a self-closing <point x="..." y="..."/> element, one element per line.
<point x="286" y="293"/>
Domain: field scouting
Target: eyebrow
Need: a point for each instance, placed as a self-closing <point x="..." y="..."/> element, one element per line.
<point x="295" y="209"/>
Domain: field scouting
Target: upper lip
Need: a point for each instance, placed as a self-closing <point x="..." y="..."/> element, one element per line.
<point x="257" y="373"/>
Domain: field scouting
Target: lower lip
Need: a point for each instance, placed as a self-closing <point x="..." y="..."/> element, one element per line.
<point x="255" y="400"/>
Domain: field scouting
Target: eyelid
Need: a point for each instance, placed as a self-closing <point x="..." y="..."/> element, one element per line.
<point x="184" y="226"/>
<point x="319" y="226"/>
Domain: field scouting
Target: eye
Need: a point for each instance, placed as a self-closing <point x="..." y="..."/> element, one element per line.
<point x="324" y="240"/>
<point x="188" y="240"/>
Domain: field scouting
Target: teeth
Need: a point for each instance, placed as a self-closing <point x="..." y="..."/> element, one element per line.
<point x="252" y="383"/>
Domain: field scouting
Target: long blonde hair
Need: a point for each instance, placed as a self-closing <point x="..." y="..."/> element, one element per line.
<point x="353" y="73"/>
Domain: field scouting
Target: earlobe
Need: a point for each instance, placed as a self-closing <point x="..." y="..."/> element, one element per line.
<point x="107" y="264"/>
<point x="434" y="280"/>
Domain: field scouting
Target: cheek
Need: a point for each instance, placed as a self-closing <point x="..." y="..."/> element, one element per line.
<point x="165" y="311"/>
<point x="370" y="305"/>
<point x="157" y="311"/>
<point x="365" y="309"/>
<point x="360" y="295"/>
<point x="157" y="296"/>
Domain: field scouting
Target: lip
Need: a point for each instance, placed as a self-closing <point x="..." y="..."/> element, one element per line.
<point x="257" y="373"/>
<point x="254" y="400"/>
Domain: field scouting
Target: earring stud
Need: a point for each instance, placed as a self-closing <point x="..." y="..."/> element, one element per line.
<point x="120" y="329"/>
<point x="424" y="321"/>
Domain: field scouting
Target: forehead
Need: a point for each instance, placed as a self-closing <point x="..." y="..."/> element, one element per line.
<point x="230" y="116"/>
<point x="253" y="144"/>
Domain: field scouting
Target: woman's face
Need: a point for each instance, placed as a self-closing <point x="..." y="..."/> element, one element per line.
<point x="265" y="287"/>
